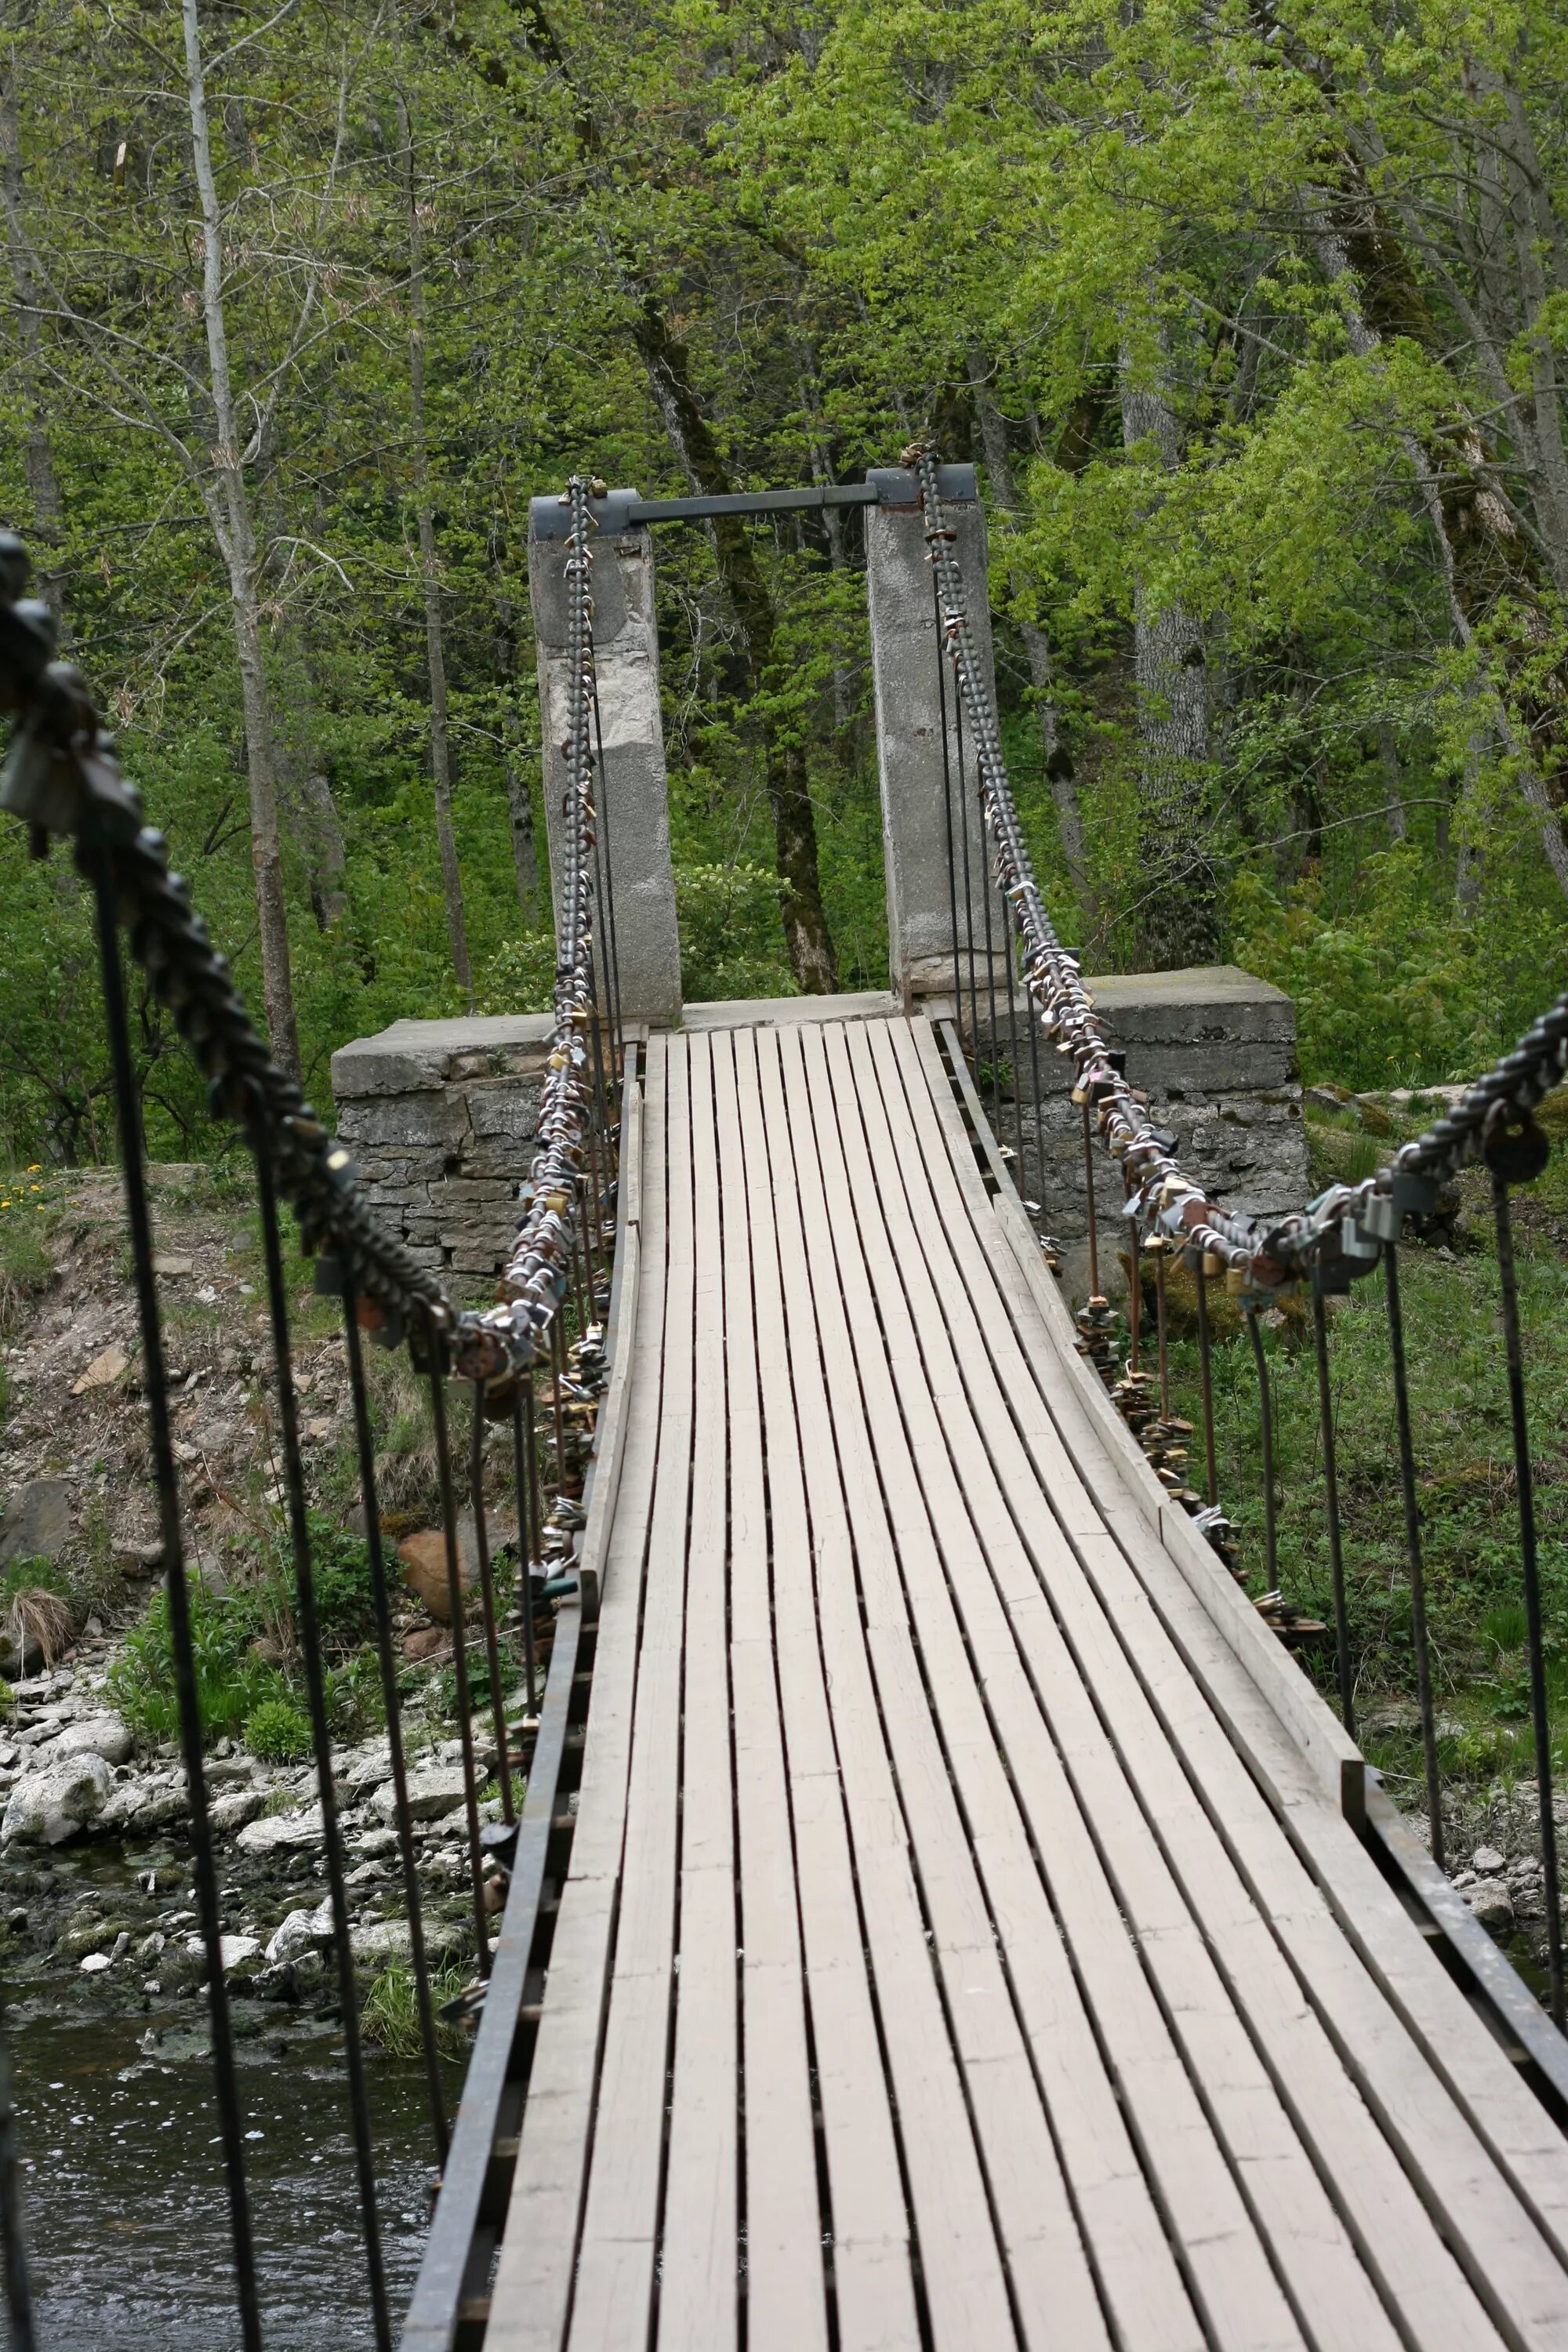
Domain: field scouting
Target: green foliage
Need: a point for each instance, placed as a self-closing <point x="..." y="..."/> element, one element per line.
<point x="339" y="1577"/>
<point x="33" y="1575"/>
<point x="731" y="945"/>
<point x="390" y="2017"/>
<point x="520" y="976"/>
<point x="230" y="1682"/>
<point x="1389" y="989"/>
<point x="356" y="1704"/>
<point x="1182" y="404"/>
<point x="279" y="1732"/>
<point x="1468" y="1506"/>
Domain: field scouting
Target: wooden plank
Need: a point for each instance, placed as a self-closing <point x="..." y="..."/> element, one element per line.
<point x="873" y="2290"/>
<point x="960" y="2256"/>
<point x="1271" y="1931"/>
<point x="698" y="2292"/>
<point x="1208" y="2217"/>
<point x="538" y="2253"/>
<point x="613" y="2295"/>
<point x="787" y="2296"/>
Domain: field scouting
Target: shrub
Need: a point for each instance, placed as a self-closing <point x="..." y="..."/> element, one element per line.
<point x="279" y="1732"/>
<point x="732" y="937"/>
<point x="340" y="1574"/>
<point x="520" y="976"/>
<point x="230" y="1682"/>
<point x="390" y="2013"/>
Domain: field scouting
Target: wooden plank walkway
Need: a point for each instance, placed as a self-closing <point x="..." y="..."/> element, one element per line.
<point x="957" y="1952"/>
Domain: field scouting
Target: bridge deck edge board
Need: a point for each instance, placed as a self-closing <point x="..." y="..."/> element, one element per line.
<point x="532" y="2294"/>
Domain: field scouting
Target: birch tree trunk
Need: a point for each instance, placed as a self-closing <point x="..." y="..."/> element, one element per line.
<point x="228" y="507"/>
<point x="435" y="642"/>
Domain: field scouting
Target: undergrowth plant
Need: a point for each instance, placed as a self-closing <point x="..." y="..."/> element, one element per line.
<point x="390" y="2017"/>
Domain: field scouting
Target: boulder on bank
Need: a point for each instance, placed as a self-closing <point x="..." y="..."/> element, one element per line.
<point x="301" y="1931"/>
<point x="51" y="1805"/>
<point x="280" y="1832"/>
<point x="138" y="1807"/>
<point x="433" y="1791"/>
<point x="95" y="1735"/>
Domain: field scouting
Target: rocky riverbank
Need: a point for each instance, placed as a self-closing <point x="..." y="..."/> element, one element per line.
<point x="95" y="1871"/>
<point x="95" y="1865"/>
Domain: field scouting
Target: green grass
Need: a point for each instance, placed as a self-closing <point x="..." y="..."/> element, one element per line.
<point x="1467" y="1499"/>
<point x="390" y="2017"/>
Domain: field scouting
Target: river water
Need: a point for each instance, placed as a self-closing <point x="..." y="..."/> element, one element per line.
<point x="127" y="2207"/>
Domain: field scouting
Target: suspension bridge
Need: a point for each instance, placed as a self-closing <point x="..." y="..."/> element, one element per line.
<point x="942" y="1914"/>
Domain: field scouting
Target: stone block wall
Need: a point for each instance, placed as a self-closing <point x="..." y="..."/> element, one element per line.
<point x="441" y="1116"/>
<point x="1215" y="1050"/>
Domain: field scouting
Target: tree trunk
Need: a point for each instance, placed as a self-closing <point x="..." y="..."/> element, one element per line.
<point x="807" y="935"/>
<point x="37" y="456"/>
<point x="229" y="509"/>
<point x="328" y="850"/>
<point x="518" y="783"/>
<point x="1467" y="871"/>
<point x="1176" y="922"/>
<point x="1060" y="771"/>
<point x="434" y="645"/>
<point x="1394" y="778"/>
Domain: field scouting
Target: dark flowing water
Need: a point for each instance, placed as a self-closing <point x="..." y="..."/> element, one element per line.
<point x="127" y="2208"/>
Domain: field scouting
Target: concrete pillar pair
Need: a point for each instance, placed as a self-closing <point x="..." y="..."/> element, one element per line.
<point x="919" y="813"/>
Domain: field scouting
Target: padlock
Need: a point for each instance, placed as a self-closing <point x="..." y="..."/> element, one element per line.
<point x="1414" y="1195"/>
<point x="1380" y="1217"/>
<point x="1516" y="1147"/>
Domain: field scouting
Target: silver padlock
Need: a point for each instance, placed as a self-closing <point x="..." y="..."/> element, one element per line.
<point x="1356" y="1243"/>
<point x="1381" y="1217"/>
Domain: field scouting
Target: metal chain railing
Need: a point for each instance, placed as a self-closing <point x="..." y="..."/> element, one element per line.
<point x="1348" y="1231"/>
<point x="62" y="778"/>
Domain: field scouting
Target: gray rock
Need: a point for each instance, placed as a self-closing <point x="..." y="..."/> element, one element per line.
<point x="51" y="1805"/>
<point x="301" y="1932"/>
<point x="1486" y="1858"/>
<point x="433" y="1792"/>
<point x="96" y="1734"/>
<point x="139" y="1806"/>
<point x="37" y="1524"/>
<point x="241" y="1957"/>
<point x="233" y="1811"/>
<point x="1490" y="1905"/>
<point x="381" y="1942"/>
<point x="282" y="1832"/>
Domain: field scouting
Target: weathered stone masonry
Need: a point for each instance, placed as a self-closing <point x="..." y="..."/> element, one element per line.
<point x="1215" y="1050"/>
<point x="440" y="1116"/>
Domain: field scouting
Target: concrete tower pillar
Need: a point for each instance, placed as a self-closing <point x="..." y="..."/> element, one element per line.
<point x="635" y="790"/>
<point x="915" y="809"/>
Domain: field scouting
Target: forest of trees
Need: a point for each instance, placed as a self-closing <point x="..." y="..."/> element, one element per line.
<point x="1254" y="316"/>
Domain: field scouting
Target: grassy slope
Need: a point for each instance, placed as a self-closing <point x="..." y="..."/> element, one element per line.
<point x="1464" y="1461"/>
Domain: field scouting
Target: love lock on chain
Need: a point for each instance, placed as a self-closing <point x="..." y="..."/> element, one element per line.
<point x="1516" y="1147"/>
